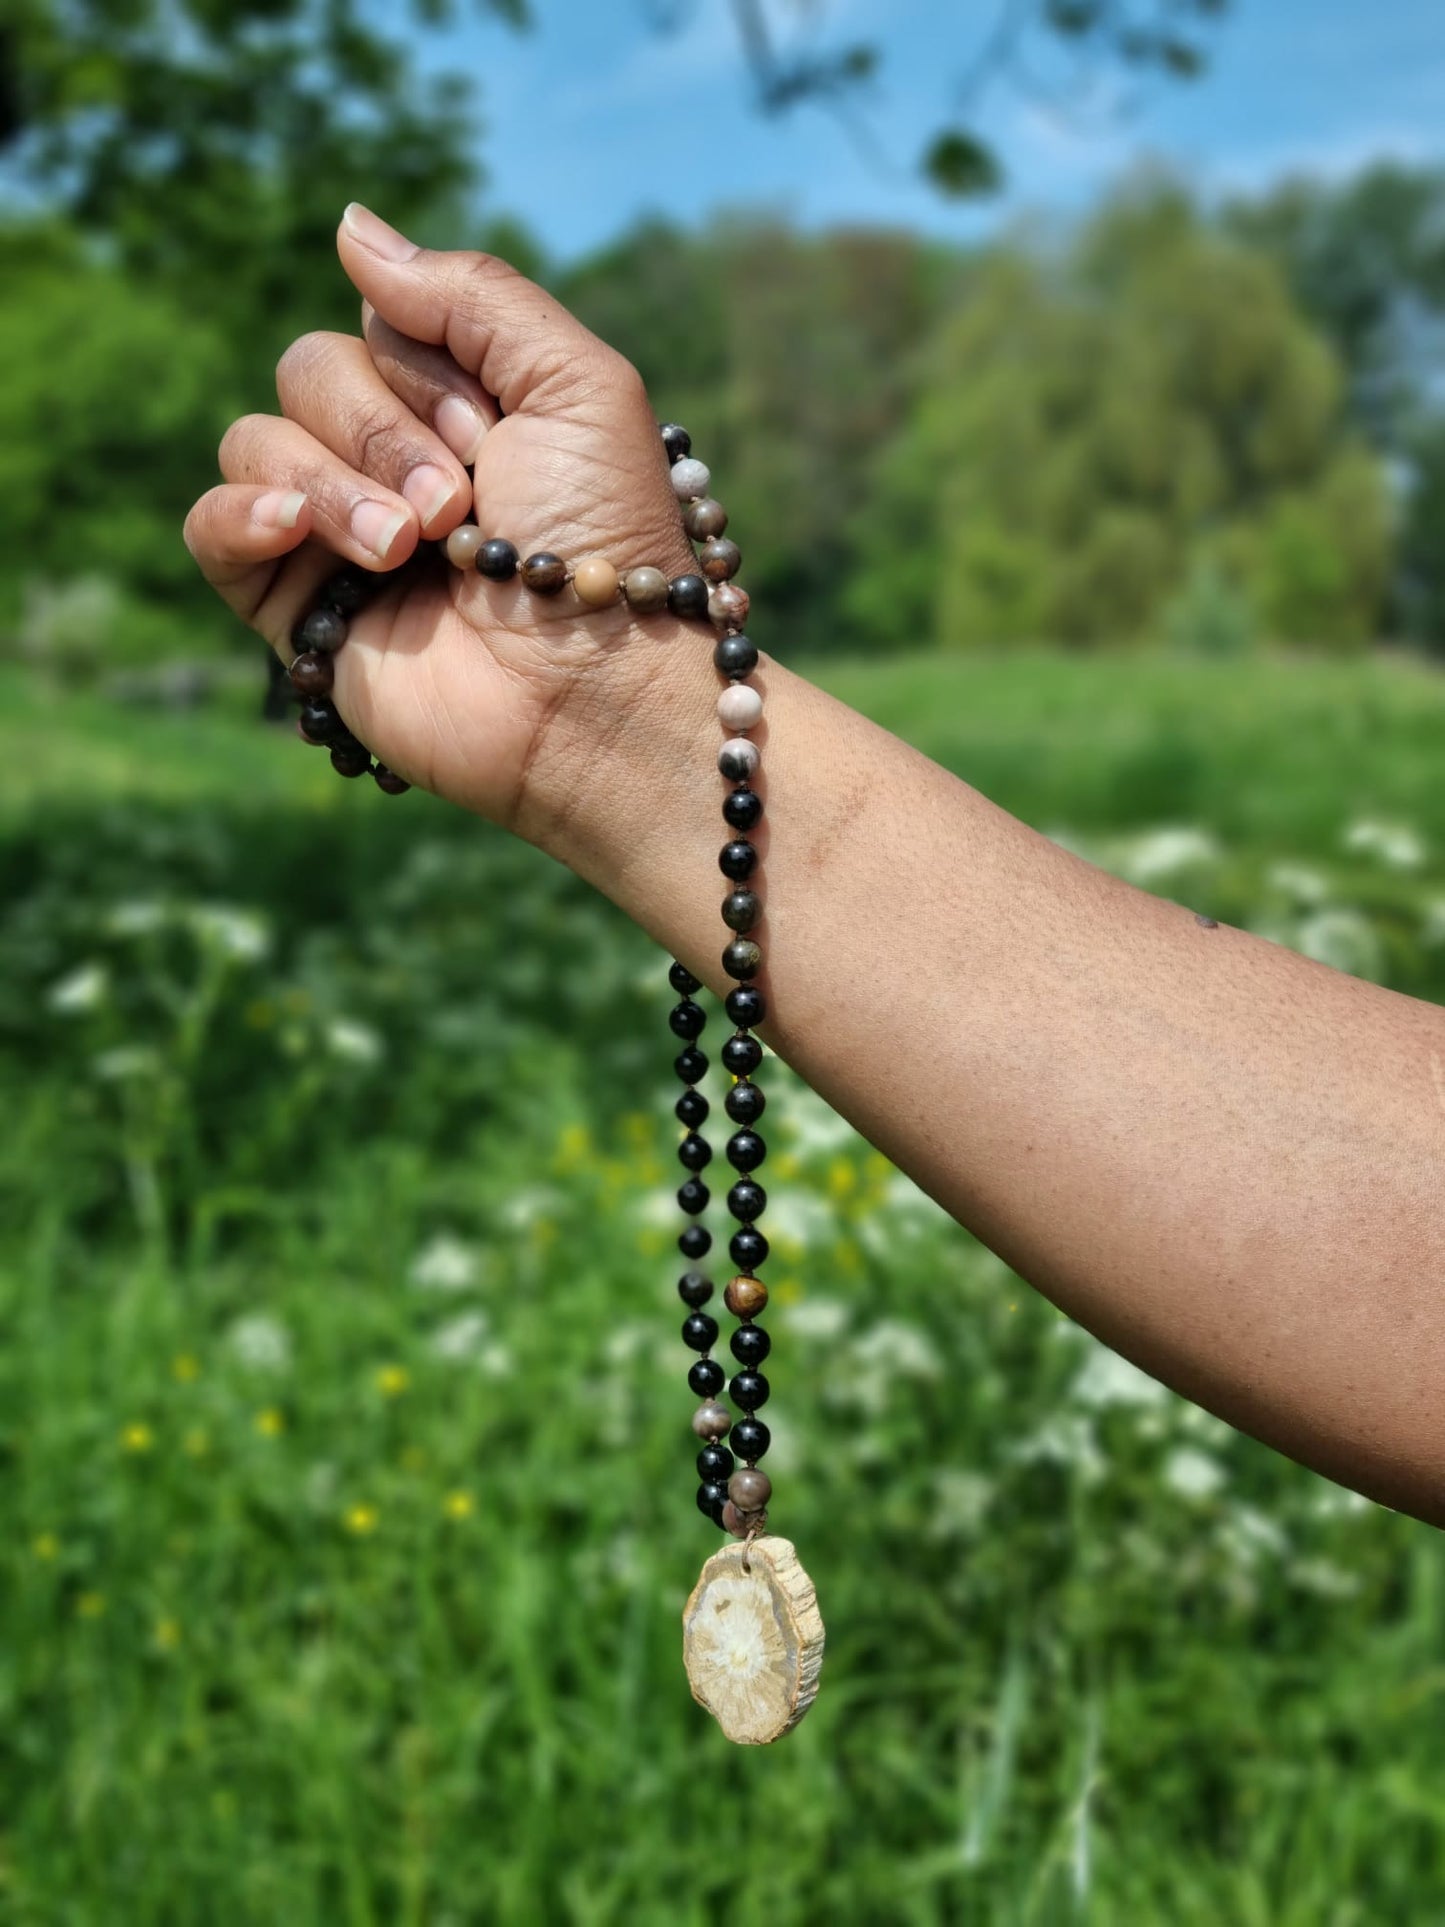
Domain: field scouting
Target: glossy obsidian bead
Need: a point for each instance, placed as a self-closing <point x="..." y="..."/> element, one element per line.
<point x="687" y="595"/>
<point x="735" y="656"/>
<point x="682" y="980"/>
<point x="388" y="781"/>
<point x="741" y="909"/>
<point x="323" y="629"/>
<point x="694" y="1288"/>
<point x="749" y="1390"/>
<point x="321" y="720"/>
<point x="706" y="1377"/>
<point x="751" y="1438"/>
<point x="686" y="1019"/>
<point x="746" y="1006"/>
<point x="748" y="1248"/>
<point x="313" y="673"/>
<point x="676" y="440"/>
<point x="497" y="559"/>
<point x="691" y="1065"/>
<point x="743" y="958"/>
<point x="746" y="1150"/>
<point x="710" y="1501"/>
<point x="695" y="1152"/>
<point x="350" y="758"/>
<point x="695" y="1241"/>
<point x="544" y="573"/>
<point x="745" y="1103"/>
<point x="715" y="1465"/>
<point x="349" y="590"/>
<point x="737" y="859"/>
<point x="743" y="808"/>
<point x="699" y="1331"/>
<point x="751" y="1344"/>
<point x="691" y="1109"/>
<point x="693" y="1197"/>
<point x="741" y="1054"/>
<point x="747" y="1200"/>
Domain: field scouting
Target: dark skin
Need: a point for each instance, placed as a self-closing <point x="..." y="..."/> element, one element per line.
<point x="1222" y="1158"/>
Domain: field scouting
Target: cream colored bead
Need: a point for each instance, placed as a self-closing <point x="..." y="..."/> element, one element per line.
<point x="739" y="707"/>
<point x="595" y="581"/>
<point x="462" y="546"/>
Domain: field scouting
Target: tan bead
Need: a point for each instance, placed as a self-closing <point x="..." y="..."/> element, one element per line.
<point x="745" y="1297"/>
<point x="595" y="581"/>
<point x="750" y="1489"/>
<point x="646" y="590"/>
<point x="462" y="546"/>
<point x="712" y="1421"/>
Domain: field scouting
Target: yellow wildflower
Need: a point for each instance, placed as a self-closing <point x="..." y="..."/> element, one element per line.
<point x="270" y="1423"/>
<point x="90" y="1605"/>
<point x="167" y="1635"/>
<point x="572" y="1147"/>
<point x="45" y="1546"/>
<point x="260" y="1014"/>
<point x="413" y="1459"/>
<point x="361" y="1519"/>
<point x="196" y="1443"/>
<point x="137" y="1437"/>
<point x="459" y="1505"/>
<point x="392" y="1380"/>
<point x="787" y="1291"/>
<point x="185" y="1369"/>
<point x="842" y="1178"/>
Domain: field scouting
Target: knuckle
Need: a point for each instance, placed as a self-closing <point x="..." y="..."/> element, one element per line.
<point x="302" y="358"/>
<point x="242" y="434"/>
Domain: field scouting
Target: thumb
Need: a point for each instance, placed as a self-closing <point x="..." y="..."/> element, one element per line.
<point x="522" y="344"/>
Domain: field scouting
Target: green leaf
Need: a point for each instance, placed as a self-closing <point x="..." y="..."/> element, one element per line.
<point x="960" y="165"/>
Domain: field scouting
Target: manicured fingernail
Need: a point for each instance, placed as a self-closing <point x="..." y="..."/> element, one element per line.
<point x="376" y="526"/>
<point x="280" y="509"/>
<point x="461" y="425"/>
<point x="373" y="233"/>
<point x="428" y="490"/>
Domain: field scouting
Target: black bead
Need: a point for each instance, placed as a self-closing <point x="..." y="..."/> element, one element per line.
<point x="322" y="722"/>
<point x="742" y="958"/>
<point x="706" y="1377"/>
<point x="693" y="1197"/>
<point x="312" y="673"/>
<point x="699" y="1331"/>
<point x="691" y="1065"/>
<point x="687" y="595"/>
<point x="710" y="1501"/>
<point x="350" y="758"/>
<point x="695" y="1152"/>
<point x="751" y="1438"/>
<point x="745" y="1103"/>
<point x="322" y="629"/>
<point x="746" y="1006"/>
<point x="349" y="590"/>
<point x="743" y="808"/>
<point x="694" y="1288"/>
<point x="691" y="1109"/>
<point x="715" y="1465"/>
<point x="747" y="1200"/>
<point x="741" y="1054"/>
<point x="751" y="1344"/>
<point x="749" y="1390"/>
<point x="737" y="859"/>
<point x="676" y="440"/>
<point x="687" y="1019"/>
<point x="735" y="656"/>
<point x="682" y="980"/>
<point x="497" y="559"/>
<point x="695" y="1241"/>
<point x="741" y="909"/>
<point x="746" y="1150"/>
<point x="748" y="1248"/>
<point x="388" y="781"/>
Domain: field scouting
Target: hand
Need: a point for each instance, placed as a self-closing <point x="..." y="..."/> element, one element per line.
<point x="478" y="690"/>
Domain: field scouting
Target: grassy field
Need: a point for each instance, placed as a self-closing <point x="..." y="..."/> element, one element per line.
<point x="343" y="1415"/>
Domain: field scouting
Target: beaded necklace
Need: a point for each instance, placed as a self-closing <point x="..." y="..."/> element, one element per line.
<point x="752" y="1632"/>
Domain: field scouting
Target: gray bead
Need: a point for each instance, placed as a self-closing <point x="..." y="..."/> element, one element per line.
<point x="738" y="759"/>
<point x="645" y="590"/>
<point x="749" y="1489"/>
<point x="689" y="478"/>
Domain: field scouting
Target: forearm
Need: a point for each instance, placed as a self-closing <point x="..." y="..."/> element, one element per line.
<point x="1222" y="1158"/>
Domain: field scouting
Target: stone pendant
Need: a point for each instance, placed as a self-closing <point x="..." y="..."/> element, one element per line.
<point x="752" y="1640"/>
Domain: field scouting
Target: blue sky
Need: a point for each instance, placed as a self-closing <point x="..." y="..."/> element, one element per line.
<point x="592" y="119"/>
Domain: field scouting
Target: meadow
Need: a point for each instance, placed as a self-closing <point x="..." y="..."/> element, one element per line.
<point x="343" y="1421"/>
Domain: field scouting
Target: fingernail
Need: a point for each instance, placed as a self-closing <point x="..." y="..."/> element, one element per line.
<point x="462" y="426"/>
<point x="428" y="489"/>
<point x="280" y="509"/>
<point x="376" y="526"/>
<point x="373" y="233"/>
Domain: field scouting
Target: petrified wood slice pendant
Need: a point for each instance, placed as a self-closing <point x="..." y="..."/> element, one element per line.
<point x="752" y="1640"/>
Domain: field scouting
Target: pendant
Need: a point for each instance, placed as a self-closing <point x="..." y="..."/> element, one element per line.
<point x="752" y="1640"/>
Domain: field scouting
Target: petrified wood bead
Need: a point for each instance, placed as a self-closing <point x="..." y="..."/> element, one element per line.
<point x="645" y="590"/>
<point x="745" y="1297"/>
<point x="544" y="573"/>
<point x="720" y="559"/>
<point x="704" y="519"/>
<point x="750" y="1490"/>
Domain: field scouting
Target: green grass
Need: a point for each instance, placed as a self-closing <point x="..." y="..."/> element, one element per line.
<point x="342" y="1415"/>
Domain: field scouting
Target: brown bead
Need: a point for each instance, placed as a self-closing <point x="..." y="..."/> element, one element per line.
<point x="750" y="1489"/>
<point x="704" y="518"/>
<point x="313" y="673"/>
<point x="462" y="546"/>
<point x="646" y="590"/>
<point x="595" y="581"/>
<point x="746" y="1297"/>
<point x="388" y="780"/>
<point x="712" y="1421"/>
<point x="742" y="1525"/>
<point x="728" y="605"/>
<point x="720" y="559"/>
<point x="544" y="573"/>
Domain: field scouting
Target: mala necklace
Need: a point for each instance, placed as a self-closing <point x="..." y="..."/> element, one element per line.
<point x="752" y="1633"/>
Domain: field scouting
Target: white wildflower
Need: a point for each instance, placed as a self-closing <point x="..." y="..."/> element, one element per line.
<point x="239" y="934"/>
<point x="1109" y="1379"/>
<point x="1396" y="845"/>
<point x="1247" y="1533"/>
<point x="1299" y="881"/>
<point x="813" y="1127"/>
<point x="461" y="1338"/>
<point x="126" y="1060"/>
<point x="1193" y="1474"/>
<point x="261" y="1342"/>
<point x="527" y="1205"/>
<point x="821" y="1318"/>
<point x="444" y="1263"/>
<point x="960" y="1501"/>
<point x="1065" y="1438"/>
<point x="1432" y="930"/>
<point x="1343" y="939"/>
<point x="892" y="1346"/>
<point x="1165" y="852"/>
<point x="80" y="990"/>
<point x="1323" y="1577"/>
<point x="495" y="1361"/>
<point x="354" y="1042"/>
<point x="137" y="917"/>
